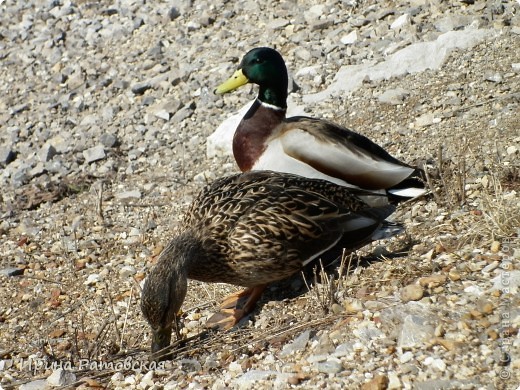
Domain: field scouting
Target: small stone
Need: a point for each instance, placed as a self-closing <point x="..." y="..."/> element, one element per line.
<point x="449" y="345"/>
<point x="454" y="275"/>
<point x="511" y="150"/>
<point x="60" y="378"/>
<point x="412" y="292"/>
<point x="330" y="366"/>
<point x="183" y="113"/>
<point x="393" y="381"/>
<point x="278" y="24"/>
<point x="298" y="344"/>
<point x="406" y="357"/>
<point x="394" y="96"/>
<point x="400" y="21"/>
<point x="34" y="385"/>
<point x="380" y="382"/>
<point x="494" y="77"/>
<point x="350" y="38"/>
<point x="92" y="279"/>
<point x="147" y="380"/>
<point x="127" y="271"/>
<point x="425" y="120"/>
<point x="433" y="281"/>
<point x="108" y="140"/>
<point x="46" y="153"/>
<point x="173" y="13"/>
<point x="12" y="271"/>
<point x="495" y="246"/>
<point x="128" y="195"/>
<point x="7" y="155"/>
<point x="94" y="154"/>
<point x="415" y="330"/>
<point x="190" y="365"/>
<point x="140" y="88"/>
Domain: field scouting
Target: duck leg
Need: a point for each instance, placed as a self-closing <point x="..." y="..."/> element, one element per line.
<point x="233" y="308"/>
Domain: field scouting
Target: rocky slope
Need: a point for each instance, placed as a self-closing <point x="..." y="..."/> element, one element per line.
<point x="105" y="110"/>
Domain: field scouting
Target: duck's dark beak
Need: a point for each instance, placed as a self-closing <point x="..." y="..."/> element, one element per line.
<point x="161" y="339"/>
<point x="237" y="80"/>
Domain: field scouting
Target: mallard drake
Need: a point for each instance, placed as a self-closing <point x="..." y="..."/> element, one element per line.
<point x="249" y="230"/>
<point x="315" y="148"/>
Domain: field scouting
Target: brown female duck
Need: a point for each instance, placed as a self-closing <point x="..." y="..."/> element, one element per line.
<point x="252" y="229"/>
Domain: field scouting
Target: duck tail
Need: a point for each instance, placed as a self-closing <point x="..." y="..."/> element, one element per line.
<point x="411" y="187"/>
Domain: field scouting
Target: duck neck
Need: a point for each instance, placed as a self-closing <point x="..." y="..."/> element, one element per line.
<point x="251" y="135"/>
<point x="168" y="280"/>
<point x="274" y="96"/>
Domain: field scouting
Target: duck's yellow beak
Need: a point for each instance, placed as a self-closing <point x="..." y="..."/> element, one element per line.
<point x="237" y="80"/>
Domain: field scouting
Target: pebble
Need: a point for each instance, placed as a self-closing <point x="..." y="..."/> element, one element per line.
<point x="412" y="292"/>
<point x="350" y="38"/>
<point x="7" y="155"/>
<point x="394" y="96"/>
<point x="414" y="331"/>
<point x="12" y="271"/>
<point x="128" y="195"/>
<point x="380" y="382"/>
<point x="400" y="21"/>
<point x="433" y="281"/>
<point x="39" y="384"/>
<point x="127" y="271"/>
<point x="331" y="366"/>
<point x="297" y="345"/>
<point x="93" y="279"/>
<point x="95" y="153"/>
<point x="61" y="378"/>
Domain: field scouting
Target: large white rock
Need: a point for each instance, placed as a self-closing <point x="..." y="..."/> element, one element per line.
<point x="412" y="59"/>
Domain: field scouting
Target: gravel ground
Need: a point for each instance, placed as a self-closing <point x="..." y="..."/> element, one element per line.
<point x="105" y="110"/>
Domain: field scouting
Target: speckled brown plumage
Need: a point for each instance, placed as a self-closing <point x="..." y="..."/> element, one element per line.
<point x="252" y="229"/>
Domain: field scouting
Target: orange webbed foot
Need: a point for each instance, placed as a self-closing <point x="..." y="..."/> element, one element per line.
<point x="233" y="308"/>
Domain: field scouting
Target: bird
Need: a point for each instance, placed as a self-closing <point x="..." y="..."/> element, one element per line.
<point x="251" y="229"/>
<point x="266" y="139"/>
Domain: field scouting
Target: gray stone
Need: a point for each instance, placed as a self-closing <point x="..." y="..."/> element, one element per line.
<point x="40" y="384"/>
<point x="412" y="59"/>
<point x="394" y="96"/>
<point x="182" y="114"/>
<point x="495" y="77"/>
<point x="414" y="331"/>
<point x="247" y="379"/>
<point x="94" y="154"/>
<point x="108" y="140"/>
<point x="47" y="152"/>
<point x="12" y="271"/>
<point x="400" y="21"/>
<point x="7" y="155"/>
<point x="277" y="24"/>
<point x="190" y="365"/>
<point x="128" y="195"/>
<point x="127" y="271"/>
<point x="298" y="344"/>
<point x="331" y="366"/>
<point x="350" y="38"/>
<point x="446" y="384"/>
<point x="452" y="22"/>
<point x="60" y="378"/>
<point x="140" y="88"/>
